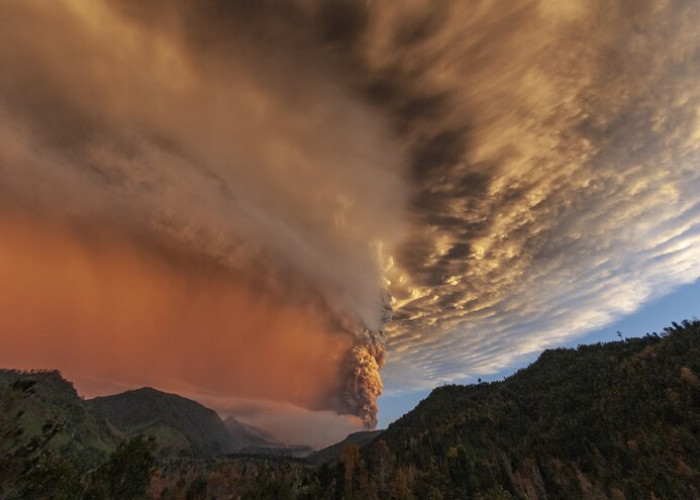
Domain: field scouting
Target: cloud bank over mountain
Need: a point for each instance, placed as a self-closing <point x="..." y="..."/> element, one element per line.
<point x="230" y="198"/>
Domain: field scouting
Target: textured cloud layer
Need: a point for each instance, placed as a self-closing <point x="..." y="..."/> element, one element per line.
<point x="554" y="168"/>
<point x="513" y="173"/>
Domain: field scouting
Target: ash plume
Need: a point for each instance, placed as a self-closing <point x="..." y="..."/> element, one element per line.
<point x="364" y="383"/>
<point x="206" y="157"/>
<point x="361" y="369"/>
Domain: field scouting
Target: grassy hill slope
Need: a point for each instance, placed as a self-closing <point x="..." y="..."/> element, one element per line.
<point x="54" y="399"/>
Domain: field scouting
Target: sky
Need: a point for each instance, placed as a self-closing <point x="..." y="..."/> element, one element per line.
<point x="296" y="210"/>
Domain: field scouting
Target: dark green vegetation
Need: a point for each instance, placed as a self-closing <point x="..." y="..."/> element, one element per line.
<point x="180" y="426"/>
<point x="233" y="476"/>
<point x="53" y="446"/>
<point x="50" y="399"/>
<point x="617" y="420"/>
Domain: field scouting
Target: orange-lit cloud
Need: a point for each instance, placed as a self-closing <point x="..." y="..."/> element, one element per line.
<point x="259" y="174"/>
<point x="101" y="307"/>
<point x="115" y="123"/>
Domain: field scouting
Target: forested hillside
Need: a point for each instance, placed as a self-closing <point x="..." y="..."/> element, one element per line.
<point x="616" y="420"/>
<point x="52" y="445"/>
<point x="47" y="399"/>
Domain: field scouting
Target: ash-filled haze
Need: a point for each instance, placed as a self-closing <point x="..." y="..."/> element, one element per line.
<point x="228" y="199"/>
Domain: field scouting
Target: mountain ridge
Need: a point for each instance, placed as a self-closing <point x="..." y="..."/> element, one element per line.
<point x="615" y="420"/>
<point x="180" y="425"/>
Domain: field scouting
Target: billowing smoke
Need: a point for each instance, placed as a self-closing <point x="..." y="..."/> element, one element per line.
<point x="224" y="193"/>
<point x="202" y="143"/>
<point x="362" y="364"/>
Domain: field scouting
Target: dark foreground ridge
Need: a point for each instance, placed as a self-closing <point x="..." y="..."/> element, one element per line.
<point x="615" y="420"/>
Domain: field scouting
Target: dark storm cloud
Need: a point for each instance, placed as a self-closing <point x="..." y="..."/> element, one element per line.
<point x="514" y="173"/>
<point x="548" y="179"/>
